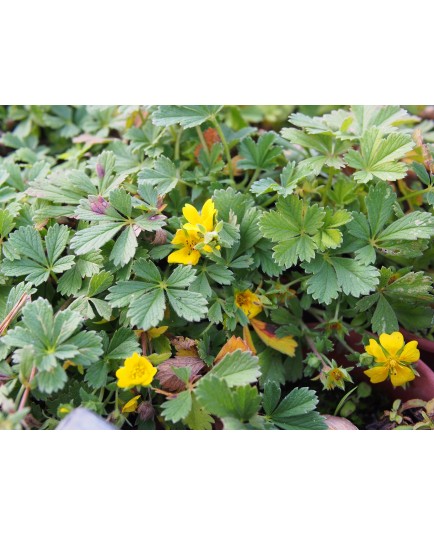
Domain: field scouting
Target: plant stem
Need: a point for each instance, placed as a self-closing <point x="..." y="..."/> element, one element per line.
<point x="343" y="400"/>
<point x="26" y="392"/>
<point x="226" y="149"/>
<point x="178" y="143"/>
<point x="415" y="193"/>
<point x="253" y="179"/>
<point x="327" y="186"/>
<point x="270" y="201"/>
<point x="202" y="140"/>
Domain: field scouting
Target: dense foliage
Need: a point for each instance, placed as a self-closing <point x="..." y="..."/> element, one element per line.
<point x="198" y="266"/>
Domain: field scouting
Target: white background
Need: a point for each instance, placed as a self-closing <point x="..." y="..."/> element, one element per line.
<point x="249" y="52"/>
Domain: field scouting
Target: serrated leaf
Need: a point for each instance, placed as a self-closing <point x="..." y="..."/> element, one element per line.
<point x="147" y="311"/>
<point x="189" y="305"/>
<point x="218" y="399"/>
<point x="379" y="156"/>
<point x="122" y="345"/>
<point x="163" y="175"/>
<point x="237" y="368"/>
<point x="94" y="237"/>
<point x="293" y="225"/>
<point x="259" y="155"/>
<point x="96" y="375"/>
<point x="176" y="409"/>
<point x="198" y="418"/>
<point x="187" y="116"/>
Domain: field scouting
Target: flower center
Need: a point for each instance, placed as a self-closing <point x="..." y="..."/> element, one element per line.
<point x="337" y="375"/>
<point x="392" y="366"/>
<point x="138" y="371"/>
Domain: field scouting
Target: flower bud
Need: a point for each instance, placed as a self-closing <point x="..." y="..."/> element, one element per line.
<point x="99" y="205"/>
<point x="100" y="171"/>
<point x="160" y="237"/>
<point x="146" y="411"/>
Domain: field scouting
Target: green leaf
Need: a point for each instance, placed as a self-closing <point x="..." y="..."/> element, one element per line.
<point x="96" y="375"/>
<point x="125" y="247"/>
<point x="334" y="274"/>
<point x="293" y="225"/>
<point x="189" y="305"/>
<point x="163" y="175"/>
<point x="122" y="345"/>
<point x="94" y="237"/>
<point x="27" y="256"/>
<point x="147" y="311"/>
<point x="295" y="411"/>
<point x="198" y="418"/>
<point x="271" y="397"/>
<point x="379" y="204"/>
<point x="384" y="318"/>
<point x="176" y="409"/>
<point x="410" y="227"/>
<point x="53" y="338"/>
<point x="379" y="156"/>
<point x="120" y="200"/>
<point x="299" y="401"/>
<point x="181" y="277"/>
<point x="55" y="242"/>
<point x="186" y="116"/>
<point x="219" y="399"/>
<point x="237" y="368"/>
<point x="259" y="155"/>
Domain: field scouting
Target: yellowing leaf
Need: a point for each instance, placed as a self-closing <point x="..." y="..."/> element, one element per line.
<point x="266" y="332"/>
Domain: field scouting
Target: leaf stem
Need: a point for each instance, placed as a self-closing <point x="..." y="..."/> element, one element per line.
<point x="415" y="193"/>
<point x="226" y="149"/>
<point x="270" y="201"/>
<point x="327" y="186"/>
<point x="202" y="140"/>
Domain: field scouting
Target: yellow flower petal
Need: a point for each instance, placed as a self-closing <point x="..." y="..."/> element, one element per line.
<point x="180" y="237"/>
<point x="191" y="214"/>
<point x="410" y="353"/>
<point x="392" y="343"/>
<point x="376" y="351"/>
<point x="377" y="374"/>
<point x="207" y="213"/>
<point x="401" y="375"/>
<point x="184" y="256"/>
<point x="131" y="405"/>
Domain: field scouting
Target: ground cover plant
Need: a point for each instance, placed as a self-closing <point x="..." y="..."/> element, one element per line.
<point x="209" y="267"/>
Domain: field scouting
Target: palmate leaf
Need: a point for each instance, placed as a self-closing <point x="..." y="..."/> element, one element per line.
<point x="176" y="409"/>
<point x="289" y="178"/>
<point x="331" y="275"/>
<point x="198" y="418"/>
<point x="295" y="411"/>
<point x="405" y="236"/>
<point x="259" y="155"/>
<point x="412" y="290"/>
<point x="185" y="115"/>
<point x="237" y="368"/>
<point x="293" y="225"/>
<point x="379" y="156"/>
<point x="219" y="399"/>
<point x="146" y="299"/>
<point x="163" y="175"/>
<point x="26" y="255"/>
<point x="53" y="339"/>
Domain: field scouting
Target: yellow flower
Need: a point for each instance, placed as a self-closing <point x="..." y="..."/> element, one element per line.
<point x="249" y="303"/>
<point x="205" y="218"/>
<point x="193" y="233"/>
<point x="393" y="359"/>
<point x="187" y="254"/>
<point x="137" y="370"/>
<point x="131" y="405"/>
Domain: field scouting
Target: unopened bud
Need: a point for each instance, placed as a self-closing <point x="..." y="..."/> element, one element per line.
<point x="146" y="411"/>
<point x="160" y="237"/>
<point x="100" y="171"/>
<point x="99" y="205"/>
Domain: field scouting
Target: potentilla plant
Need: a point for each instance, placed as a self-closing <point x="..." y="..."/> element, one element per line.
<point x="209" y="267"/>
